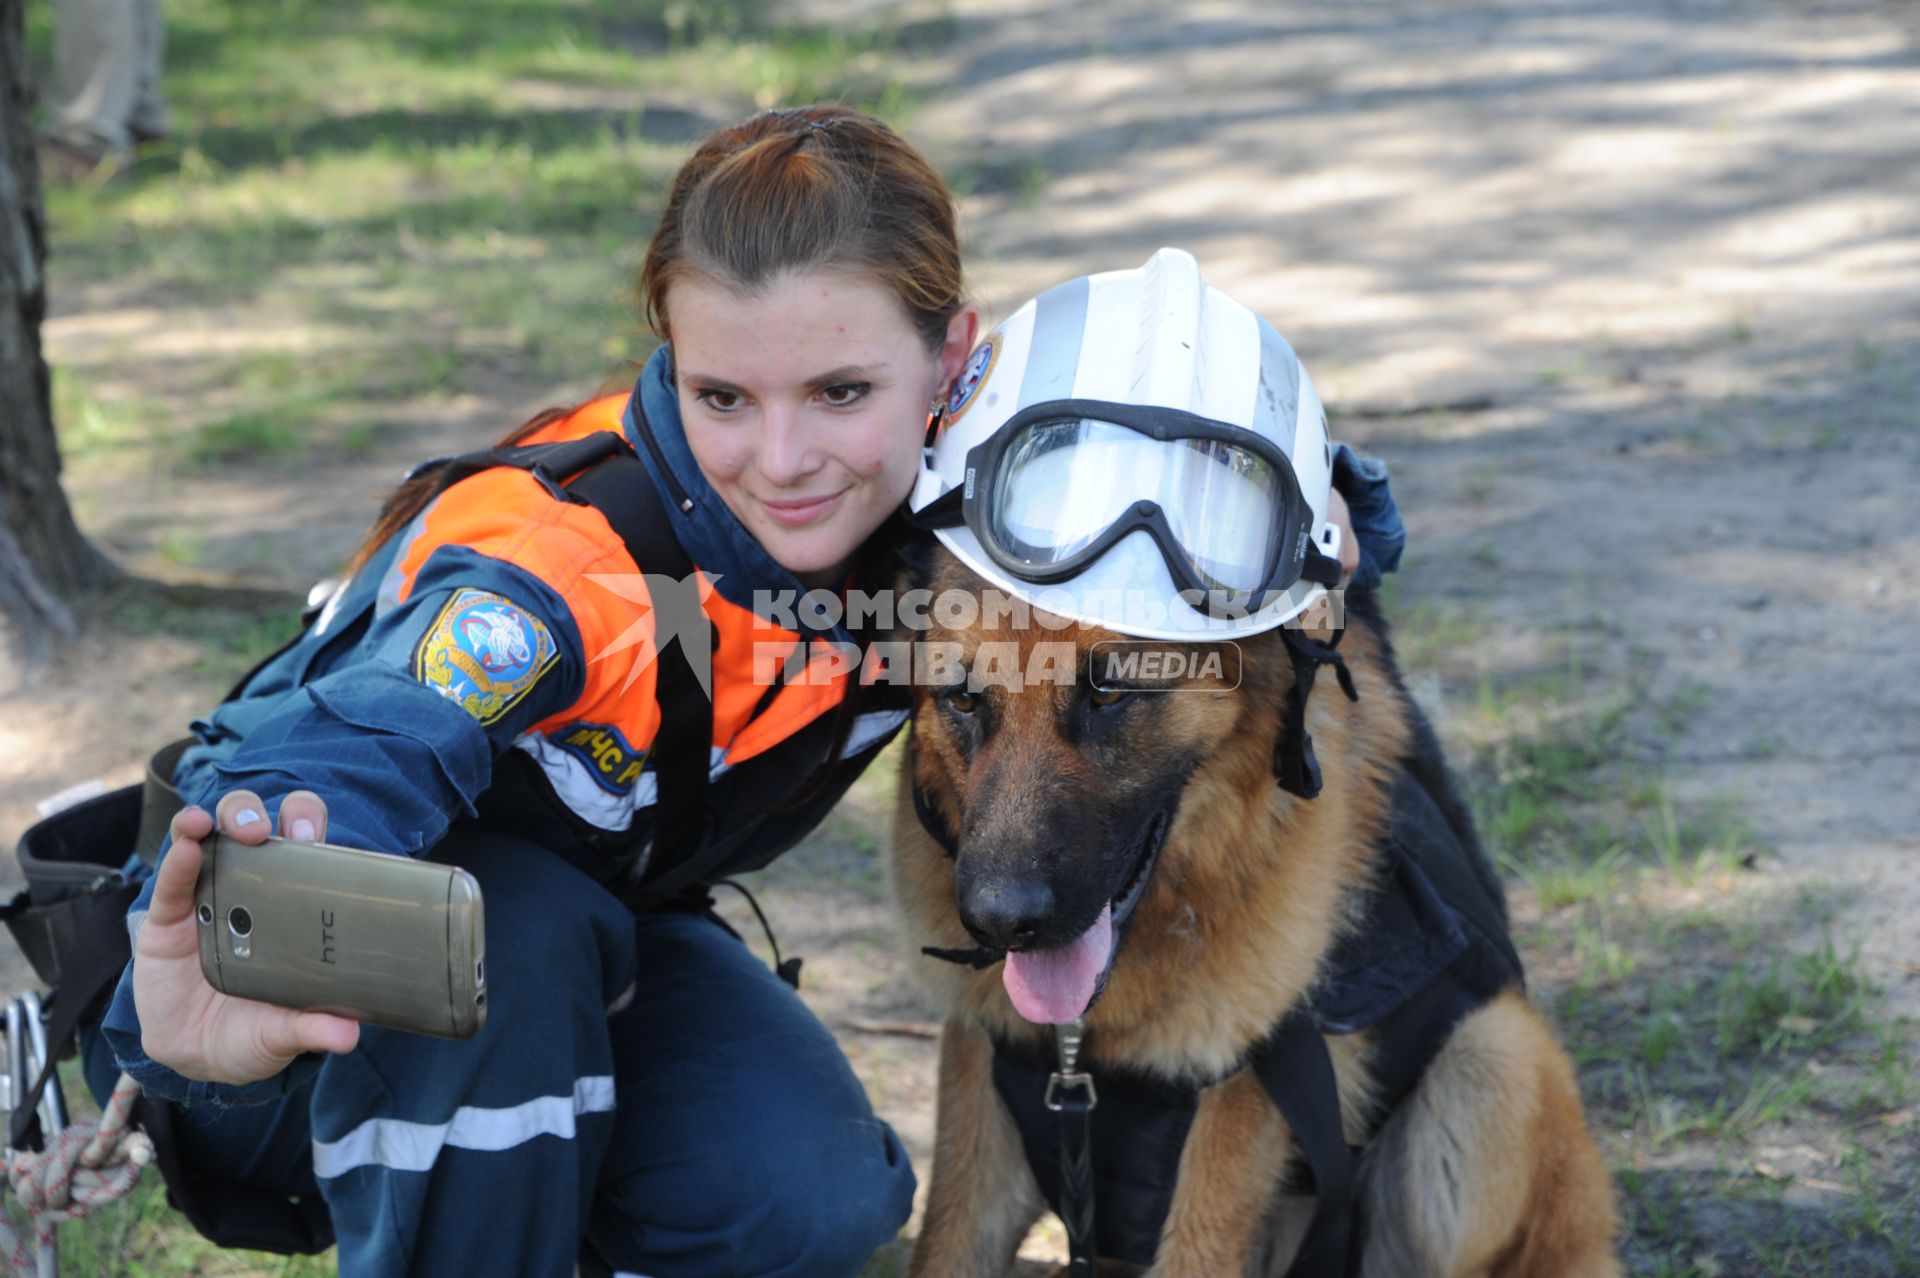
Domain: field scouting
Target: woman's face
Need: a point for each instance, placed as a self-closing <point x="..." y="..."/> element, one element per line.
<point x="805" y="404"/>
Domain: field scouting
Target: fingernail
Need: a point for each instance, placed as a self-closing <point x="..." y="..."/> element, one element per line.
<point x="303" y="829"/>
<point x="245" y="817"/>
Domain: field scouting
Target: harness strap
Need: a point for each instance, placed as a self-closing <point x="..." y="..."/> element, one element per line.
<point x="1294" y="764"/>
<point x="88" y="972"/>
<point x="549" y="463"/>
<point x="1071" y="1096"/>
<point x="611" y="479"/>
<point x="1293" y="1065"/>
<point x="621" y="490"/>
<point x="158" y="799"/>
<point x="1076" y="1185"/>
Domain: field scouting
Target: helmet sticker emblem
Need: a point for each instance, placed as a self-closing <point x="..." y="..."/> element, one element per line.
<point x="972" y="377"/>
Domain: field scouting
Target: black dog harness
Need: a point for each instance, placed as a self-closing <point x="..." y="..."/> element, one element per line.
<point x="1431" y="946"/>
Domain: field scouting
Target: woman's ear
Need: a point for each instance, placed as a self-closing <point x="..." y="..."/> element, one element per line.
<point x="963" y="330"/>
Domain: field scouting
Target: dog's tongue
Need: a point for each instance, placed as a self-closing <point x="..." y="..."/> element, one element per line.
<point x="1052" y="987"/>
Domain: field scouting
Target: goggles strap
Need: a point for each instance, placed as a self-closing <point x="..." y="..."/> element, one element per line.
<point x="1321" y="569"/>
<point x="1294" y="766"/>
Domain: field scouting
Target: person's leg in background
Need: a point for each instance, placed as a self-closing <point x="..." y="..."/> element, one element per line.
<point x="148" y="120"/>
<point x="96" y="78"/>
<point x="744" y="1146"/>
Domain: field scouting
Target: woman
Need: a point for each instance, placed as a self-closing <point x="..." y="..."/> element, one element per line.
<point x="645" y="1097"/>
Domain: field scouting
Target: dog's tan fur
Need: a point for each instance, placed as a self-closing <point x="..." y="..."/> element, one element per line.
<point x="1486" y="1169"/>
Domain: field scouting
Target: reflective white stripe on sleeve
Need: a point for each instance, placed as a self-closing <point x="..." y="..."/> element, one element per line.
<point x="402" y="1146"/>
<point x="572" y="780"/>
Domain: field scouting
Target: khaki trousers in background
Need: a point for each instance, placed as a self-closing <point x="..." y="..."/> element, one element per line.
<point x="106" y="74"/>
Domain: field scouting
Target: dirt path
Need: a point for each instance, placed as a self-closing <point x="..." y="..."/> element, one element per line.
<point x="1666" y="259"/>
<point x="1663" y="257"/>
<point x="1670" y="255"/>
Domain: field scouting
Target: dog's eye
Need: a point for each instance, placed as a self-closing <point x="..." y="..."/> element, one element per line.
<point x="962" y="699"/>
<point x="1108" y="696"/>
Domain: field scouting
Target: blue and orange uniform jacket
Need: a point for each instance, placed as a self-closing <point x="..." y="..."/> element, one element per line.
<point x="492" y="662"/>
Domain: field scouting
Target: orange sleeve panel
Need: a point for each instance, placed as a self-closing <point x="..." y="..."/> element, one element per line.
<point x="508" y="515"/>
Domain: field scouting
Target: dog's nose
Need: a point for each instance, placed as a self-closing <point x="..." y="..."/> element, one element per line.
<point x="1006" y="913"/>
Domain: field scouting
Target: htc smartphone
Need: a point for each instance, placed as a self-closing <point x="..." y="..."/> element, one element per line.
<point x="383" y="939"/>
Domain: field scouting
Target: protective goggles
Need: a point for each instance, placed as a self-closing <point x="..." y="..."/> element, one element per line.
<point x="1060" y="483"/>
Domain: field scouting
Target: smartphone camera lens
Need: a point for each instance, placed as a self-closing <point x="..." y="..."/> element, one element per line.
<point x="205" y="913"/>
<point x="240" y="932"/>
<point x="479" y="974"/>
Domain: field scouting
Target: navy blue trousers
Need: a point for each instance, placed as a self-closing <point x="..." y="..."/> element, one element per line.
<point x="710" y="1127"/>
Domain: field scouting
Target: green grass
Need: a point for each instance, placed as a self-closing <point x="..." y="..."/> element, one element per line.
<point x="1709" y="1034"/>
<point x="90" y="426"/>
<point x="405" y="200"/>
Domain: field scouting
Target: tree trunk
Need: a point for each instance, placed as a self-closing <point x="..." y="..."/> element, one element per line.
<point x="44" y="561"/>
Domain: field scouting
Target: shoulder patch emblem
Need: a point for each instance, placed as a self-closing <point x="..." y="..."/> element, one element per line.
<point x="484" y="652"/>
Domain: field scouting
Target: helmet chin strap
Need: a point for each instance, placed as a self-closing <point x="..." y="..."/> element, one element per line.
<point x="1294" y="766"/>
<point x="1320" y="568"/>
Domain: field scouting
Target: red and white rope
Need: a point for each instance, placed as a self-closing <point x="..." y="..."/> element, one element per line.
<point x="85" y="1166"/>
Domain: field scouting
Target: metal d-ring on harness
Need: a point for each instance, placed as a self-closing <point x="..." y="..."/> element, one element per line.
<point x="1293" y="1065"/>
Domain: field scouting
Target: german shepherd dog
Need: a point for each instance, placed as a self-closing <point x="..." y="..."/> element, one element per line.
<point x="1131" y="850"/>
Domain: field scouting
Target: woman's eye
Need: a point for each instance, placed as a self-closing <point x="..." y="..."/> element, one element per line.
<point x="724" y="401"/>
<point x="846" y="393"/>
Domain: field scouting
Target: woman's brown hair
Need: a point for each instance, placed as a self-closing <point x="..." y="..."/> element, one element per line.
<point x="809" y="188"/>
<point x="819" y="187"/>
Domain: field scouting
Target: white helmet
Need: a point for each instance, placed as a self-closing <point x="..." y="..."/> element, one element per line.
<point x="1138" y="451"/>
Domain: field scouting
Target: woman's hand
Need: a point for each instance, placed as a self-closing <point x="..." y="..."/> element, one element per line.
<point x="186" y="1024"/>
<point x="1341" y="518"/>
